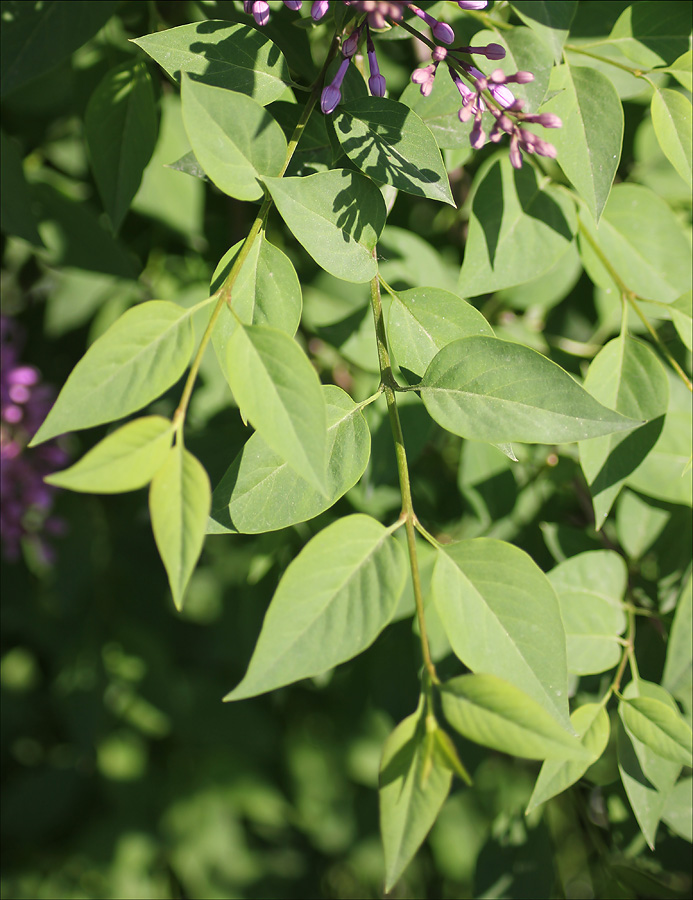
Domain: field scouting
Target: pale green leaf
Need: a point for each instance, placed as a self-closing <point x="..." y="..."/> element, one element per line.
<point x="672" y="117"/>
<point x="125" y="460"/>
<point x="388" y="142"/>
<point x="525" y="51"/>
<point x="639" y="523"/>
<point x="647" y="777"/>
<point x="337" y="216"/>
<point x="659" y="727"/>
<point x="551" y="21"/>
<point x="279" y="393"/>
<point x="518" y="229"/>
<point x="653" y="32"/>
<point x="682" y="70"/>
<point x="233" y="137"/>
<point x="261" y="492"/>
<point x="137" y="359"/>
<point x="120" y="127"/>
<point x="626" y="375"/>
<point x="589" y="142"/>
<point x="332" y="602"/>
<point x="590" y="589"/>
<point x="486" y="389"/>
<point x="413" y="787"/>
<point x="501" y="615"/>
<point x="642" y="239"/>
<point x="682" y="317"/>
<point x="591" y="723"/>
<point x="179" y="502"/>
<point x="678" y="811"/>
<point x="224" y="54"/>
<point x="424" y="320"/>
<point x="495" y="713"/>
<point x="678" y="668"/>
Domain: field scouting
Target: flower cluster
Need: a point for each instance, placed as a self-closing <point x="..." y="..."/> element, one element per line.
<point x="482" y="92"/>
<point x="25" y="501"/>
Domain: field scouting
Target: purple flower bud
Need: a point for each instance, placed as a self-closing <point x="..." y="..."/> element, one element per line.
<point x="522" y="77"/>
<point x="515" y="155"/>
<point x="332" y="93"/>
<point x="491" y="51"/>
<point x="425" y="78"/>
<point x="477" y="136"/>
<point x="318" y="10"/>
<point x="441" y="31"/>
<point x="23" y="375"/>
<point x="293" y="4"/>
<point x="259" y="9"/>
<point x="376" y="83"/>
<point x="501" y="93"/>
<point x="472" y="4"/>
<point x="351" y="44"/>
<point x="548" y="120"/>
<point x="439" y="54"/>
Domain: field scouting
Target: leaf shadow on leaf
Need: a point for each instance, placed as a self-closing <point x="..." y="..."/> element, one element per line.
<point x="352" y="219"/>
<point x="537" y="204"/>
<point x="391" y="167"/>
<point x="629" y="761"/>
<point x="627" y="455"/>
<point x="239" y="45"/>
<point x="398" y="767"/>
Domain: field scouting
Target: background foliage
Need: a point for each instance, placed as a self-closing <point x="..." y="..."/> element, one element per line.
<point x="124" y="775"/>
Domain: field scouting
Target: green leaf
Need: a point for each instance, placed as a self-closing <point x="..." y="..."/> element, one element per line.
<point x="332" y="602"/>
<point x="518" y="229"/>
<point x="591" y="722"/>
<point x="682" y="70"/>
<point x="125" y="460"/>
<point x="678" y="811"/>
<point x="627" y="376"/>
<point x="663" y="473"/>
<point x="551" y="21"/>
<point x="525" y="50"/>
<point x="589" y="143"/>
<point x="235" y="140"/>
<point x="388" y="142"/>
<point x="413" y="786"/>
<point x="15" y="209"/>
<point x="502" y="617"/>
<point x="221" y="54"/>
<point x="179" y="501"/>
<point x="36" y="37"/>
<point x="643" y="241"/>
<point x="678" y="668"/>
<point x="653" y="33"/>
<point x="672" y="115"/>
<point x="639" y="523"/>
<point x="424" y="320"/>
<point x="261" y="492"/>
<point x="137" y="359"/>
<point x="279" y="393"/>
<point x="266" y="292"/>
<point x="495" y="713"/>
<point x="590" y="588"/>
<point x="682" y="316"/>
<point x="337" y="216"/>
<point x="439" y="111"/>
<point x="120" y="126"/>
<point x="659" y="727"/>
<point x="485" y="389"/>
<point x="647" y="777"/>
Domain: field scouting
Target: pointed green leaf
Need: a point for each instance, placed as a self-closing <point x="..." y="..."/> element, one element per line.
<point x="495" y="713"/>
<point x="124" y="461"/>
<point x="678" y="668"/>
<point x="590" y="589"/>
<point x="266" y="292"/>
<point x="672" y="116"/>
<point x="682" y="70"/>
<point x="234" y="139"/>
<point x="627" y="376"/>
<point x="136" y="360"/>
<point x="551" y="21"/>
<point x="120" y="126"/>
<point x="486" y="389"/>
<point x="279" y="393"/>
<point x="647" y="777"/>
<point x="424" y="320"/>
<point x="332" y="602"/>
<point x="388" y="142"/>
<point x="591" y="722"/>
<point x="261" y="492"/>
<point x="502" y="617"/>
<point x="36" y="37"/>
<point x="678" y="811"/>
<point x="518" y="229"/>
<point x="410" y="798"/>
<point x="653" y="33"/>
<point x="659" y="727"/>
<point x="337" y="216"/>
<point x="641" y="237"/>
<point x="223" y="54"/>
<point x="589" y="143"/>
<point x="179" y="501"/>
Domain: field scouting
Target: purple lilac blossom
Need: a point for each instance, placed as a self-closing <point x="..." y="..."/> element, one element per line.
<point x="25" y="500"/>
